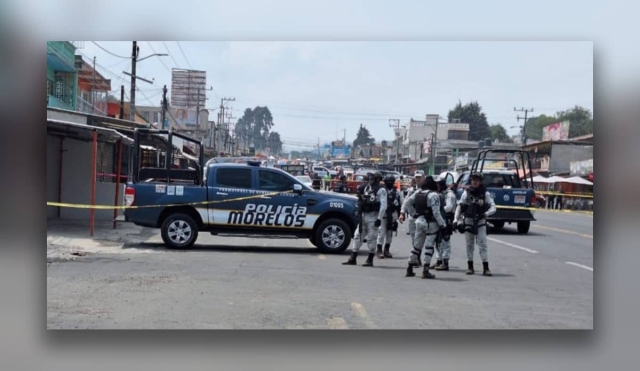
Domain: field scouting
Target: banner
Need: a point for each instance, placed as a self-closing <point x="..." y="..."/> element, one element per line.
<point x="557" y="131"/>
<point x="184" y="116"/>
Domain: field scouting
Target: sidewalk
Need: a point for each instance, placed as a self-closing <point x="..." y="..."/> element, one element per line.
<point x="67" y="239"/>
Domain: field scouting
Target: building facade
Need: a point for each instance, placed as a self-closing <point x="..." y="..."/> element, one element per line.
<point x="62" y="75"/>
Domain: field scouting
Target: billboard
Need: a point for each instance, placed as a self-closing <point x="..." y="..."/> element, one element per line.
<point x="184" y="116"/>
<point x="340" y="152"/>
<point x="188" y="92"/>
<point x="557" y="131"/>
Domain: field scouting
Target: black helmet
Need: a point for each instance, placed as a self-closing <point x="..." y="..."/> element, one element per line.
<point x="377" y="175"/>
<point x="389" y="179"/>
<point x="442" y="183"/>
<point x="477" y="174"/>
<point x="429" y="184"/>
<point x="343" y="177"/>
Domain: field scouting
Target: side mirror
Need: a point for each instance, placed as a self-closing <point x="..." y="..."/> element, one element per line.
<point x="297" y="188"/>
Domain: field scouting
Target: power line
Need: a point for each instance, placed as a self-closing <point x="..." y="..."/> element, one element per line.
<point x="184" y="55"/>
<point x="161" y="61"/>
<point x="115" y="55"/>
<point x="171" y="55"/>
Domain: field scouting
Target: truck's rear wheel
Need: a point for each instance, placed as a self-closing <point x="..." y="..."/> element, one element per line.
<point x="179" y="231"/>
<point x="332" y="236"/>
<point x="523" y="227"/>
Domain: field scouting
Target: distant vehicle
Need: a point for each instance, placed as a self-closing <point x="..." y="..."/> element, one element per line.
<point x="505" y="187"/>
<point x="305" y="179"/>
<point x="348" y="171"/>
<point x="321" y="171"/>
<point x="231" y="199"/>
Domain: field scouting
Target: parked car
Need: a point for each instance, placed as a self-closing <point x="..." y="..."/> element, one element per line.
<point x="305" y="179"/>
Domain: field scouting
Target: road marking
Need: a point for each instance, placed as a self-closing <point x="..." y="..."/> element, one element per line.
<point x="580" y="266"/>
<point x="321" y="257"/>
<point x="563" y="231"/>
<point x="337" y="323"/>
<point x="512" y="245"/>
<point x="359" y="309"/>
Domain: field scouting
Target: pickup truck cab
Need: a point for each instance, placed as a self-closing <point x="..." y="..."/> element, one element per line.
<point x="243" y="200"/>
<point x="507" y="190"/>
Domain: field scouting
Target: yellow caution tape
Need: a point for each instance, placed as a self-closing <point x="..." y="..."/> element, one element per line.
<point x="544" y="210"/>
<point x="111" y="207"/>
<point x="585" y="195"/>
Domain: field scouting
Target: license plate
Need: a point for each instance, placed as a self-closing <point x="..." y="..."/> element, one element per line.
<point x="520" y="199"/>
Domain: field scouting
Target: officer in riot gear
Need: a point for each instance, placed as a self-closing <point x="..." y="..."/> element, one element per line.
<point x="474" y="206"/>
<point x="341" y="185"/>
<point x="390" y="221"/>
<point x="429" y="223"/>
<point x="416" y="182"/>
<point x="372" y="204"/>
<point x="447" y="209"/>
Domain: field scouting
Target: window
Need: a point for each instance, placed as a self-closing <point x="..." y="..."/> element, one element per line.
<point x="234" y="178"/>
<point x="272" y="181"/>
<point x="501" y="180"/>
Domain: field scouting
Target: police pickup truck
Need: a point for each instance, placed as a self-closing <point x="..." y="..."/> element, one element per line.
<point x="505" y="187"/>
<point x="228" y="198"/>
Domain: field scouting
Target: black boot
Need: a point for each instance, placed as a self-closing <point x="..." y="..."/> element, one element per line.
<point x="470" y="269"/>
<point x="426" y="274"/>
<point x="352" y="259"/>
<point x="436" y="265"/>
<point x="387" y="254"/>
<point x="379" y="252"/>
<point x="410" y="271"/>
<point x="486" y="271"/>
<point x="369" y="262"/>
<point x="444" y="266"/>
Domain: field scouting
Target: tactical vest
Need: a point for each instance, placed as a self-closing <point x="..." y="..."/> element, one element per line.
<point x="370" y="202"/>
<point x="475" y="205"/>
<point x="393" y="201"/>
<point x="422" y="205"/>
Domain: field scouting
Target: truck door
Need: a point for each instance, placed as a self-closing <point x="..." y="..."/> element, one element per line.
<point x="228" y="187"/>
<point x="285" y="210"/>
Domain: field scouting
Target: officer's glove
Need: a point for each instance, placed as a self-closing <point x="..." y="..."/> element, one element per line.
<point x="378" y="223"/>
<point x="394" y="226"/>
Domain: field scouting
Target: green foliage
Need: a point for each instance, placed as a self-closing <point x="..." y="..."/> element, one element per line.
<point x="581" y="120"/>
<point x="472" y="114"/>
<point x="498" y="132"/>
<point x="363" y="137"/>
<point x="255" y="127"/>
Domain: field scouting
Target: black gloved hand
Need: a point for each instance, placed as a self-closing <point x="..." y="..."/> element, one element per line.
<point x="378" y="223"/>
<point x="395" y="226"/>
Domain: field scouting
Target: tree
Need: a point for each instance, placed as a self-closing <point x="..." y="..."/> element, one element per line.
<point x="580" y="118"/>
<point x="581" y="121"/>
<point x="471" y="114"/>
<point x="500" y="133"/>
<point x="254" y="127"/>
<point x="363" y="138"/>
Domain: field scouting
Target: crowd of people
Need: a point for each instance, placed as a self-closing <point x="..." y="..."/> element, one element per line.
<point x="433" y="214"/>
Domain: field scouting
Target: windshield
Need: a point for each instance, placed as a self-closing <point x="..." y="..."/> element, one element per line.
<point x="495" y="180"/>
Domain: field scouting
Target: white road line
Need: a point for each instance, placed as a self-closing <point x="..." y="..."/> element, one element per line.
<point x="359" y="309"/>
<point x="337" y="323"/>
<point x="512" y="245"/>
<point x="580" y="266"/>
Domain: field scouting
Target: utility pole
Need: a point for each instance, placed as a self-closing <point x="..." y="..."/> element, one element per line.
<point x="396" y="132"/>
<point x="164" y="106"/>
<point x="221" y="120"/>
<point x="93" y="87"/>
<point x="434" y="149"/>
<point x="132" y="103"/>
<point x="198" y="106"/>
<point x="524" y="126"/>
<point x="121" y="102"/>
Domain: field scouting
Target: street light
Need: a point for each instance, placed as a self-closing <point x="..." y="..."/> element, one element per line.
<point x="149" y="56"/>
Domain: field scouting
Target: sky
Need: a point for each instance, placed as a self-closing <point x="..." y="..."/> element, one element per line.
<point x="317" y="89"/>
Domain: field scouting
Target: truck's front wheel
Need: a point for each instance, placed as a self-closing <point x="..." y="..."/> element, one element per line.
<point x="523" y="227"/>
<point x="179" y="231"/>
<point x="332" y="236"/>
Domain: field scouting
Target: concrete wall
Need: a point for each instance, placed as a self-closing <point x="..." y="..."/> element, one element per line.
<point x="76" y="181"/>
<point x="563" y="154"/>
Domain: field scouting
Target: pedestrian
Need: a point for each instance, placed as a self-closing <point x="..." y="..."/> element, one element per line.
<point x="475" y="205"/>
<point x="448" y="206"/>
<point x="372" y="206"/>
<point x="390" y="221"/>
<point x="429" y="222"/>
<point x="316" y="181"/>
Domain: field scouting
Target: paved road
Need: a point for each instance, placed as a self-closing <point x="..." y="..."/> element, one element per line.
<point x="238" y="283"/>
